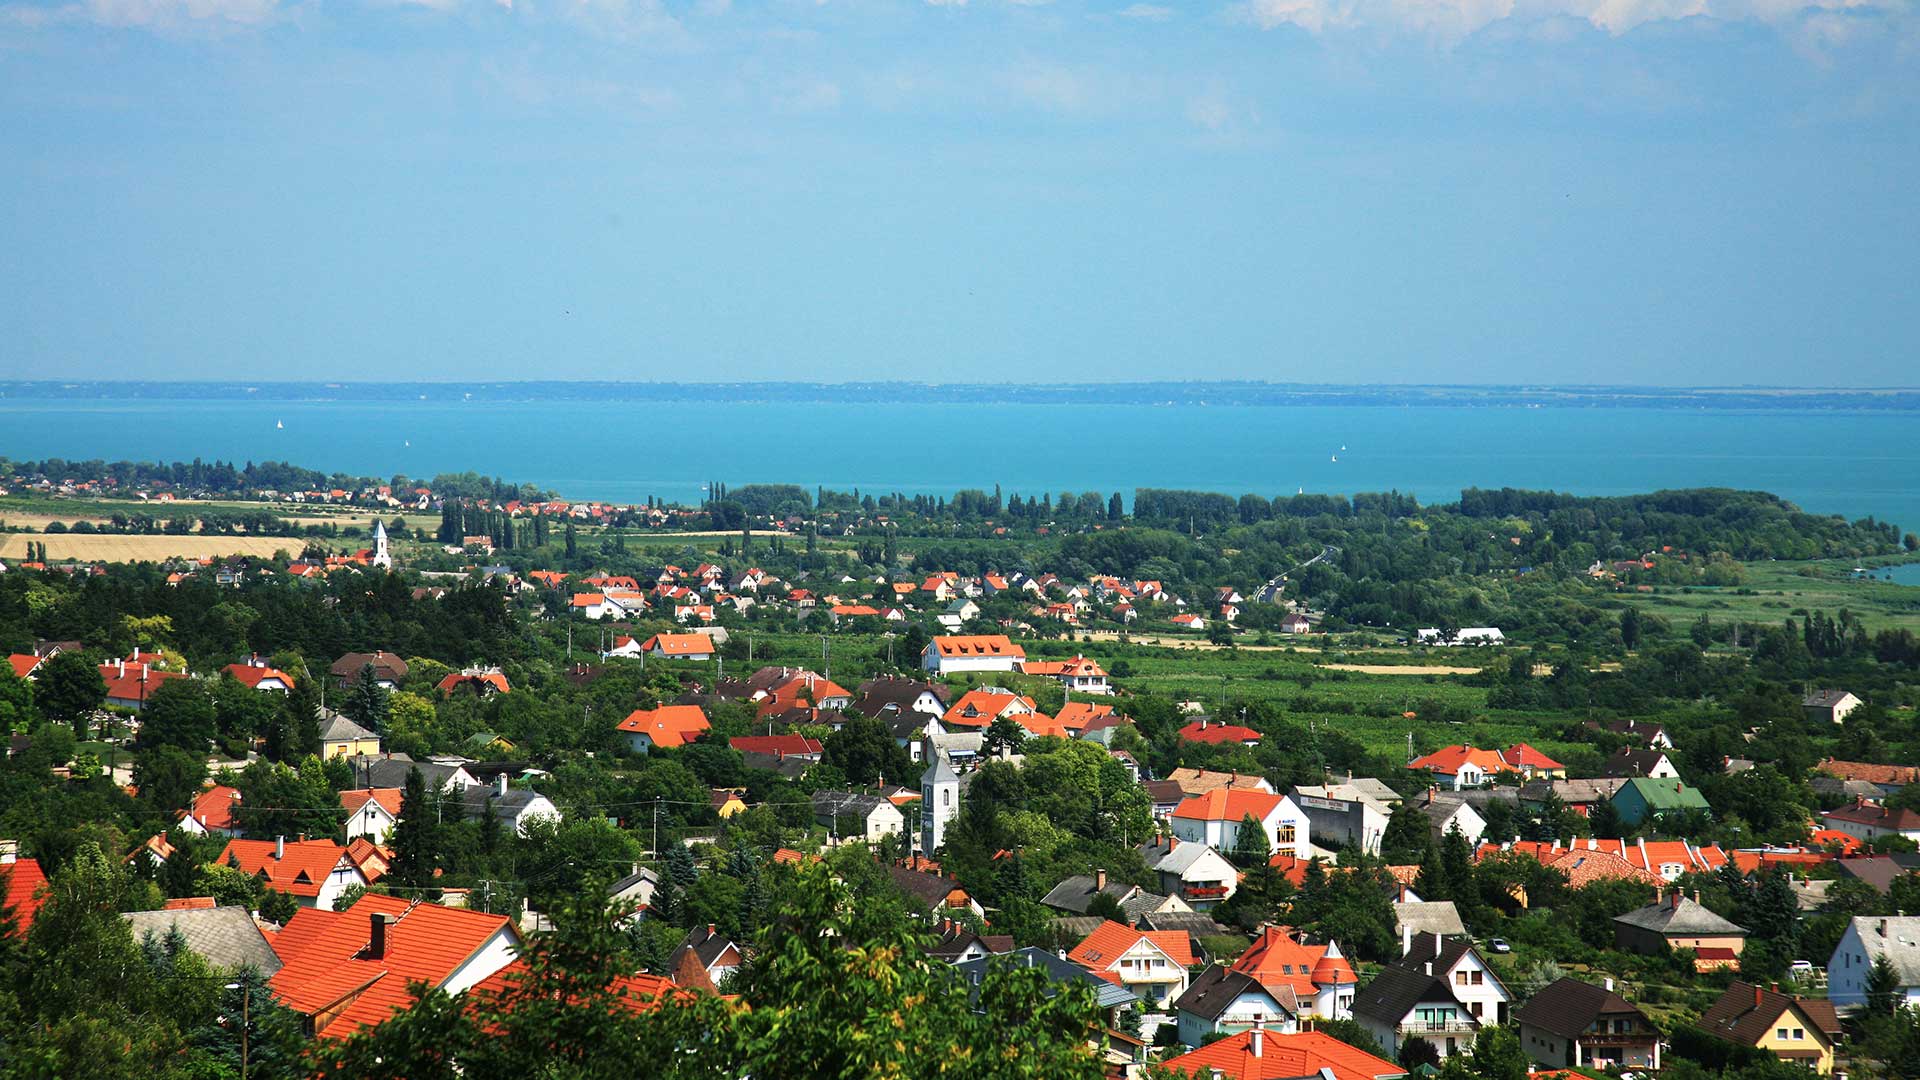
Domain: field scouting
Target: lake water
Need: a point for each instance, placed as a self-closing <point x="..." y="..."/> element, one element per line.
<point x="1848" y="463"/>
<point x="1904" y="574"/>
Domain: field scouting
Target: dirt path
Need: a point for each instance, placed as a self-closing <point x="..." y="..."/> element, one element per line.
<point x="1403" y="669"/>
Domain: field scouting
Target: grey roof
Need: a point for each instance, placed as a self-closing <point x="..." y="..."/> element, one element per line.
<point x="1567" y="1007"/>
<point x="643" y="874"/>
<point x="390" y="770"/>
<point x="1572" y="791"/>
<point x="1824" y="699"/>
<point x="1429" y="917"/>
<point x="1178" y="860"/>
<point x="1076" y="892"/>
<point x="1878" y="871"/>
<point x="1362" y="789"/>
<point x="1678" y="915"/>
<point x="473" y="801"/>
<point x="1106" y="995"/>
<point x="930" y="889"/>
<point x="335" y="728"/>
<point x="837" y="803"/>
<point x="226" y="937"/>
<point x="939" y="772"/>
<point x="705" y="943"/>
<point x="790" y="767"/>
<point x="961" y="742"/>
<point x="1076" y="927"/>
<point x="1847" y="790"/>
<point x="1196" y="924"/>
<point x="1396" y="990"/>
<point x="1216" y="989"/>
<point x="1900" y="944"/>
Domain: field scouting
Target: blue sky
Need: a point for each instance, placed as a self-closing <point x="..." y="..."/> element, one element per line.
<point x="1594" y="191"/>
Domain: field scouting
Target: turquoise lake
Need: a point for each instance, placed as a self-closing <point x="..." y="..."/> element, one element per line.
<point x="1851" y="463"/>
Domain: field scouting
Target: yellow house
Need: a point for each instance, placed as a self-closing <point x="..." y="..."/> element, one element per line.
<point x="341" y="737"/>
<point x="1794" y="1029"/>
<point x="727" y="801"/>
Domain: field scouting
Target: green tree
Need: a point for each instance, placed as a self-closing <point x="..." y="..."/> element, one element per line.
<point x="168" y="777"/>
<point x="17" y="713"/>
<point x="1250" y="845"/>
<point x="178" y="713"/>
<point x="1408" y="836"/>
<point x="68" y="688"/>
<point x="416" y="853"/>
<point x="864" y="750"/>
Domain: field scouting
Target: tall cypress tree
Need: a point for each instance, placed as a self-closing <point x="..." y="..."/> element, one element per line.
<point x="413" y="839"/>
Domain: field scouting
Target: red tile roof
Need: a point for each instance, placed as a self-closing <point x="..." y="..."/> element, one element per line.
<point x="1076" y="715"/>
<point x="667" y="725"/>
<point x="481" y="681"/>
<point x="23" y="664"/>
<point x="1276" y="958"/>
<point x="326" y="961"/>
<point x="1228" y="804"/>
<point x="251" y="676"/>
<point x="1450" y="759"/>
<point x="1215" y="734"/>
<point x="300" y="870"/>
<point x="672" y="645"/>
<point x="1078" y="667"/>
<point x="798" y="745"/>
<point x="23" y="879"/>
<point x="1523" y="756"/>
<point x="188" y="903"/>
<point x="978" y="708"/>
<point x="1284" y="1057"/>
<point x="387" y="797"/>
<point x="966" y="645"/>
<point x="1101" y="950"/>
<point x="213" y="808"/>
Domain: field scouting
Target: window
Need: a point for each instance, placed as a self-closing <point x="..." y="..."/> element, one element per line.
<point x="1479" y="978"/>
<point x="1287" y="835"/>
<point x="1799" y="1033"/>
<point x="1780" y="1033"/>
<point x="1459" y="978"/>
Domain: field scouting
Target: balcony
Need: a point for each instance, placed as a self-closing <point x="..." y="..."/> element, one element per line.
<point x="1438" y="1027"/>
<point x="1203" y="892"/>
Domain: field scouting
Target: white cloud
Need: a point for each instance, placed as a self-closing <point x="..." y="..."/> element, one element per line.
<point x="1451" y="20"/>
<point x="1146" y="12"/>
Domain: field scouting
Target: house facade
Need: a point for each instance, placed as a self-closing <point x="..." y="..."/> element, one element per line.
<point x="1573" y="1024"/>
<point x="1865" y="940"/>
<point x="1215" y="819"/>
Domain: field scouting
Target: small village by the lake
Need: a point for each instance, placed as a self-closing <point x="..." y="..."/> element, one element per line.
<point x="313" y="774"/>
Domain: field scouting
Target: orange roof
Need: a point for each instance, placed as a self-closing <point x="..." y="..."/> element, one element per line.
<point x="1281" y="1055"/>
<point x="788" y="855"/>
<point x="251" y="676"/>
<point x="387" y="797"/>
<point x="964" y="645"/>
<point x="133" y="682"/>
<point x="1079" y="666"/>
<point x="589" y="599"/>
<point x="978" y="708"/>
<point x="23" y="879"/>
<point x="679" y="644"/>
<point x="1520" y="755"/>
<point x="23" y="664"/>
<point x="1076" y="715"/>
<point x="667" y="725"/>
<point x="1826" y="837"/>
<point x="1276" y="958"/>
<point x="1228" y="804"/>
<point x="1451" y="759"/>
<point x="636" y="993"/>
<point x="188" y="903"/>
<point x="1649" y="855"/>
<point x="1214" y="734"/>
<point x="301" y="870"/>
<point x="213" y="807"/>
<point x="1870" y="772"/>
<point x="479" y="680"/>
<point x="1101" y="950"/>
<point x="326" y="962"/>
<point x="800" y="692"/>
<point x="797" y="745"/>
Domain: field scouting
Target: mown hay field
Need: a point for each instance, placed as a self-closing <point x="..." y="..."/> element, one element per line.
<point x="98" y="547"/>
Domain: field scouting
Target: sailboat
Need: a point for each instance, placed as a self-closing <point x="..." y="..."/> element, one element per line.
<point x="1343" y="446"/>
<point x="278" y="426"/>
<point x="1336" y="457"/>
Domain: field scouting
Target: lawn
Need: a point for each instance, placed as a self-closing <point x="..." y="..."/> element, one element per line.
<point x="1777" y="590"/>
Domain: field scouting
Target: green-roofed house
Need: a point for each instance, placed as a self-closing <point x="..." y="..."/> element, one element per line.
<point x="1643" y="798"/>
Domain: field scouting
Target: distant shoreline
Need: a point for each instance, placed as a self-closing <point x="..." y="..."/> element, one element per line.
<point x="1185" y="394"/>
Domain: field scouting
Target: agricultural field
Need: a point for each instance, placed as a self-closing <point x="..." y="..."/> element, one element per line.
<point x="101" y="547"/>
<point x="1778" y="590"/>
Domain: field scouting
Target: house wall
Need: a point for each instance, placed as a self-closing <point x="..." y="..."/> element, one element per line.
<point x="948" y="664"/>
<point x="370" y="820"/>
<point x="350" y="747"/>
<point x="1848" y="969"/>
<point x="337" y="882"/>
<point x="1791" y="1031"/>
<point x="489" y="958"/>
<point x="1545" y="1047"/>
<point x="1245" y="1011"/>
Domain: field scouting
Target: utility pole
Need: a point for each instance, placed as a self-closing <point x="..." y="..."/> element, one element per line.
<point x="656" y="826"/>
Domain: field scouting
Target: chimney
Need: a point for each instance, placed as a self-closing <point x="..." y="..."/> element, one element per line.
<point x="377" y="941"/>
<point x="1609" y="984"/>
<point x="1696" y="896"/>
<point x="279" y="847"/>
<point x="1429" y="967"/>
<point x="1406" y="939"/>
<point x="1757" y="993"/>
<point x="1883" y="928"/>
<point x="1100" y="880"/>
<point x="500" y="786"/>
<point x="1259" y="1041"/>
<point x="711" y="932"/>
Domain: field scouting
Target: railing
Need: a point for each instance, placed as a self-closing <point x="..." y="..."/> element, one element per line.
<point x="1438" y="1027"/>
<point x="1203" y="892"/>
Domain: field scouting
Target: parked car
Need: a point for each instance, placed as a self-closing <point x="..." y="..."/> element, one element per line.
<point x="1499" y="945"/>
<point x="1801" y="969"/>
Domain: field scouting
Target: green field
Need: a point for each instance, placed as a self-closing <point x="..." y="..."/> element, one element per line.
<point x="1778" y="590"/>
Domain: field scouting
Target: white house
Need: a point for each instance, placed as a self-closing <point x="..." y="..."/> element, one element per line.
<point x="1215" y="818"/>
<point x="371" y="812"/>
<point x="1342" y="815"/>
<point x="947" y="654"/>
<point x="1152" y="964"/>
<point x="593" y="605"/>
<point x="851" y="816"/>
<point x="1867" y="937"/>
<point x="1195" y="873"/>
<point x="1440" y="990"/>
<point x="1871" y="821"/>
<point x="1224" y="1000"/>
<point x="514" y="808"/>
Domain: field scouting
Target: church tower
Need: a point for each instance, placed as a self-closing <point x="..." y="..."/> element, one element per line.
<point x="381" y="557"/>
<point x="939" y="800"/>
